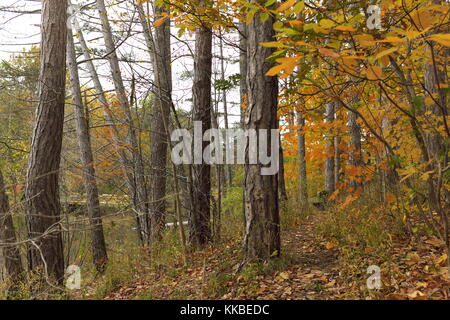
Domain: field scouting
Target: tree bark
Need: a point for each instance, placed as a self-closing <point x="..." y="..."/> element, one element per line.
<point x="281" y="180"/>
<point x="243" y="66"/>
<point x="160" y="123"/>
<point x="355" y="154"/>
<point x="99" y="253"/>
<point x="243" y="91"/>
<point x="262" y="230"/>
<point x="302" y="177"/>
<point x="45" y="249"/>
<point x="200" y="229"/>
<point x="337" y="153"/>
<point x="329" y="150"/>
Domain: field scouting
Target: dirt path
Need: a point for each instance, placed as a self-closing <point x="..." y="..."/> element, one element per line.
<point x="312" y="269"/>
<point x="309" y="269"/>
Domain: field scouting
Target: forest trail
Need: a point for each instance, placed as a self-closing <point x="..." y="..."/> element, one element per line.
<point x="311" y="268"/>
<point x="308" y="270"/>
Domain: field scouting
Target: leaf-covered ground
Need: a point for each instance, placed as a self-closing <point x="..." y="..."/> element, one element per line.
<point x="312" y="267"/>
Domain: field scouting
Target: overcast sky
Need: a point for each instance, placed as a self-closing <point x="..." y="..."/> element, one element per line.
<point x="20" y="31"/>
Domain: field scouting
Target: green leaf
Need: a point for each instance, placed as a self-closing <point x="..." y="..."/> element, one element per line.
<point x="264" y="16"/>
<point x="299" y="7"/>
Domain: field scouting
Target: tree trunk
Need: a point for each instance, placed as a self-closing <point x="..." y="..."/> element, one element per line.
<point x="116" y="139"/>
<point x="160" y="122"/>
<point x="138" y="166"/>
<point x="436" y="81"/>
<point x="217" y="208"/>
<point x="329" y="150"/>
<point x="87" y="159"/>
<point x="337" y="154"/>
<point x="200" y="230"/>
<point x="281" y="180"/>
<point x="262" y="230"/>
<point x="9" y="250"/>
<point x="227" y="167"/>
<point x="355" y="155"/>
<point x="45" y="249"/>
<point x="302" y="159"/>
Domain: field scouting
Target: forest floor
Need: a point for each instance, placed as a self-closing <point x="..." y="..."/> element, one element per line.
<point x="311" y="268"/>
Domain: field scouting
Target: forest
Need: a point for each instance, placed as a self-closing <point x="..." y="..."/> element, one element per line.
<point x="224" y="150"/>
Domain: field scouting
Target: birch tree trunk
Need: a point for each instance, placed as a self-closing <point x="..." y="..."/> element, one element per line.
<point x="45" y="250"/>
<point x="262" y="229"/>
<point x="87" y="159"/>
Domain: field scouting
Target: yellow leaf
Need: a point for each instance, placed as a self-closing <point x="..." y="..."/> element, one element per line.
<point x="286" y="5"/>
<point x="299" y="7"/>
<point x="441" y="38"/>
<point x="392" y="39"/>
<point x="345" y="28"/>
<point x="285" y="68"/>
<point x="384" y="53"/>
<point x="424" y="176"/>
<point x="442" y="259"/>
<point x="326" y="23"/>
<point x="374" y="73"/>
<point x="365" y="40"/>
<point x="330" y="245"/>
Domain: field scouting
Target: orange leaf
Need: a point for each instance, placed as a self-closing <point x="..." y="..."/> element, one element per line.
<point x="374" y="73"/>
<point x="328" y="52"/>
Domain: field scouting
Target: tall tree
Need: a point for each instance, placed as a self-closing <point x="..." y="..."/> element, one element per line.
<point x="329" y="150"/>
<point x="200" y="229"/>
<point x="117" y="140"/>
<point x="301" y="158"/>
<point x="141" y="195"/>
<point x="337" y="151"/>
<point x="281" y="180"/>
<point x="227" y="168"/>
<point x="87" y="158"/>
<point x="355" y="152"/>
<point x="160" y="121"/>
<point x="262" y="230"/>
<point x="243" y="91"/>
<point x="45" y="249"/>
